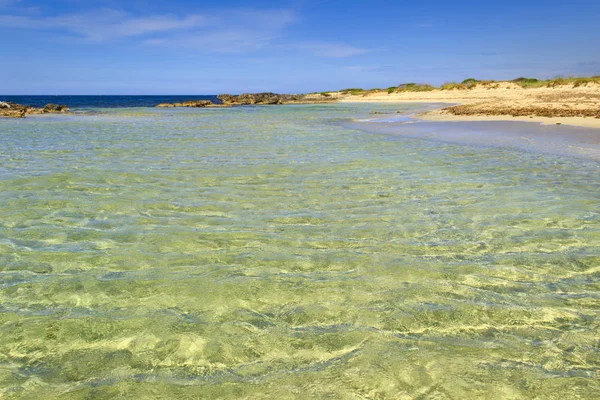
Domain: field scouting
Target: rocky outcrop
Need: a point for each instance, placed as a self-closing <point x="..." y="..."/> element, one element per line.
<point x="193" y="103"/>
<point x="272" y="98"/>
<point x="229" y="100"/>
<point x="14" y="110"/>
<point x="515" y="109"/>
<point x="55" y="108"/>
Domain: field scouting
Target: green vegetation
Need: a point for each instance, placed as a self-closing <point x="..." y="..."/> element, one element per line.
<point x="559" y="81"/>
<point x="584" y="81"/>
<point x="411" y="87"/>
<point x="353" y="91"/>
<point x="326" y="94"/>
<point x="415" y="87"/>
<point x="529" y="82"/>
<point x="470" y="83"/>
<point x="452" y="86"/>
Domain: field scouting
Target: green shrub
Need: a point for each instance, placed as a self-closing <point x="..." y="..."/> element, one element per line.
<point x="352" y="91"/>
<point x="414" y="87"/>
<point x="472" y="82"/>
<point x="584" y="81"/>
<point x="453" y="86"/>
<point x="529" y="82"/>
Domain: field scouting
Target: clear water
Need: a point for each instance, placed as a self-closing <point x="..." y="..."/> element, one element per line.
<point x="266" y="252"/>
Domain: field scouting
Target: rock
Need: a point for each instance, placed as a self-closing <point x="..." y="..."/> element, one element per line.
<point x="272" y="98"/>
<point x="197" y="103"/>
<point x="189" y="103"/>
<point x="55" y="108"/>
<point x="229" y="100"/>
<point x="12" y="113"/>
<point x="14" y="110"/>
<point x="226" y="98"/>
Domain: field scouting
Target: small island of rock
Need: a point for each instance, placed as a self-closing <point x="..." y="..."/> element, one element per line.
<point x="192" y="103"/>
<point x="14" y="110"/>
<point x="273" y="98"/>
<point x="229" y="100"/>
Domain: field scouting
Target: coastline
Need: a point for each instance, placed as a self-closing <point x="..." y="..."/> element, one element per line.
<point x="562" y="104"/>
<point x="524" y="134"/>
<point x="504" y="101"/>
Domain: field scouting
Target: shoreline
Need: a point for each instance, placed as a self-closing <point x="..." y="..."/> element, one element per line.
<point x="504" y="101"/>
<point x="532" y="135"/>
<point x="561" y="140"/>
<point x="565" y="104"/>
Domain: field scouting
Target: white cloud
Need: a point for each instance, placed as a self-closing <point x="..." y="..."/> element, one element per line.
<point x="332" y="50"/>
<point x="240" y="31"/>
<point x="104" y="24"/>
<point x="227" y="31"/>
<point x="231" y="31"/>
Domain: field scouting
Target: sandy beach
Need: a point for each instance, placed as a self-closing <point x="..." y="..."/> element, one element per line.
<point x="501" y="101"/>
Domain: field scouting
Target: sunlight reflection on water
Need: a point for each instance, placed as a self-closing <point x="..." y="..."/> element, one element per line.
<point x="267" y="252"/>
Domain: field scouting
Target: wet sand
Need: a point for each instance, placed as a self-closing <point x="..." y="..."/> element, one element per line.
<point x="565" y="140"/>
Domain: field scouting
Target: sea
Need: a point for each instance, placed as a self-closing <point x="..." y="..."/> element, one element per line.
<point x="292" y="252"/>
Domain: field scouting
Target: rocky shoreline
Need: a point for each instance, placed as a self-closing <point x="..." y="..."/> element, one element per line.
<point x="564" y="103"/>
<point x="14" y="110"/>
<point x="192" y="104"/>
<point x="267" y="98"/>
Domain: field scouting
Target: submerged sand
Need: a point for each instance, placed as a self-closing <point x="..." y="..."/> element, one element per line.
<point x="503" y="101"/>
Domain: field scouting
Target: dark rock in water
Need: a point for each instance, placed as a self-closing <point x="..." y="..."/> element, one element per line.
<point x="272" y="98"/>
<point x="14" y="110"/>
<point x="229" y="100"/>
<point x="192" y="103"/>
<point x="264" y="98"/>
<point x="55" y="108"/>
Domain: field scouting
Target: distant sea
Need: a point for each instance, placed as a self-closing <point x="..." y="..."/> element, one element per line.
<point x="100" y="101"/>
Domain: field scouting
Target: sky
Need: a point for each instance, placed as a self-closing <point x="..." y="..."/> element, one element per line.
<point x="296" y="46"/>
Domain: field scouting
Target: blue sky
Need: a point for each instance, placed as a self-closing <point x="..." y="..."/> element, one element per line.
<point x="207" y="47"/>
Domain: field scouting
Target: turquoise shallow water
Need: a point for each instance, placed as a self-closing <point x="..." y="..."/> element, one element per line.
<point x="269" y="253"/>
